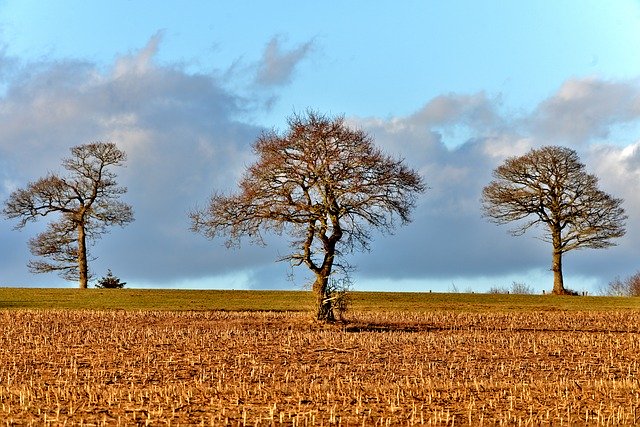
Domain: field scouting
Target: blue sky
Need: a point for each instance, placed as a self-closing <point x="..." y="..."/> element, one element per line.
<point x="379" y="59"/>
<point x="454" y="87"/>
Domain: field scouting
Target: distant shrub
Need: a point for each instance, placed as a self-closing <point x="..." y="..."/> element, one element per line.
<point x="615" y="288"/>
<point x="110" y="282"/>
<point x="521" y="288"/>
<point x="634" y="285"/>
<point x="516" y="288"/>
<point x="629" y="287"/>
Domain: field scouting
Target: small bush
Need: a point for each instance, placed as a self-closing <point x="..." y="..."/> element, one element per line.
<point x="629" y="287"/>
<point x="634" y="285"/>
<point x="516" y="288"/>
<point x="615" y="288"/>
<point x="339" y="294"/>
<point x="110" y="282"/>
<point x="521" y="289"/>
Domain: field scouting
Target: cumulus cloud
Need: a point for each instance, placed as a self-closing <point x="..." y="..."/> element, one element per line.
<point x="618" y="170"/>
<point x="476" y="111"/>
<point x="584" y="110"/>
<point x="277" y="65"/>
<point x="140" y="62"/>
<point x="448" y="237"/>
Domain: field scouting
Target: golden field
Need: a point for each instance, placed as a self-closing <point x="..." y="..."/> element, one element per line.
<point x="97" y="367"/>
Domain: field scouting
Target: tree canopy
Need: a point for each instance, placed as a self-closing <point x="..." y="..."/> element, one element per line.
<point x="86" y="203"/>
<point x="325" y="185"/>
<point x="550" y="186"/>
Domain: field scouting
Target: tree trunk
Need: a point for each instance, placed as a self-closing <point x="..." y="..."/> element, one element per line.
<point x="556" y="265"/>
<point x="83" y="270"/>
<point x="324" y="306"/>
<point x="558" y="282"/>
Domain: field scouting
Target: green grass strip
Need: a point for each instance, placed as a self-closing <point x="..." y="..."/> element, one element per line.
<point x="187" y="300"/>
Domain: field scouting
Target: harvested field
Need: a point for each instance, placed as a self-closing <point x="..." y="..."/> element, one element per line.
<point x="215" y="368"/>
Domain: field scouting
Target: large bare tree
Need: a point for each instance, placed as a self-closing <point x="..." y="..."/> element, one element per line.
<point x="325" y="185"/>
<point x="86" y="203"/>
<point x="550" y="186"/>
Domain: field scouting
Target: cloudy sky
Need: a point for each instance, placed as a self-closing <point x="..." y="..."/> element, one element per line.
<point x="453" y="87"/>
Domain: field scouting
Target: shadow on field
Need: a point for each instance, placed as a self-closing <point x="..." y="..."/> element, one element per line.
<point x="386" y="327"/>
<point x="404" y="327"/>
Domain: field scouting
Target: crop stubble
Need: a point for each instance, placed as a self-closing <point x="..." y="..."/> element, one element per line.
<point x="212" y="368"/>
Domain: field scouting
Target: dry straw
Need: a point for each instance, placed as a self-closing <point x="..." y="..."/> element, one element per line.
<point x="215" y="368"/>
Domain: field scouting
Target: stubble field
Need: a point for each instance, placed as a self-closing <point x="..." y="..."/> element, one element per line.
<point x="96" y="367"/>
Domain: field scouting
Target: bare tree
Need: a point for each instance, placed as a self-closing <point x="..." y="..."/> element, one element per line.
<point x="629" y="287"/>
<point x="86" y="203"/>
<point x="325" y="185"/>
<point x="550" y="186"/>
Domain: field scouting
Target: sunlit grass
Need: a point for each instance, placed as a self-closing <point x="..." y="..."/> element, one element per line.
<point x="236" y="300"/>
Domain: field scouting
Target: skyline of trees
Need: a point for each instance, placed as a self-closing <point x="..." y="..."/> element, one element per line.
<point x="60" y="243"/>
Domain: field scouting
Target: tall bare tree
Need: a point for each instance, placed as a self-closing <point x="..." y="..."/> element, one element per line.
<point x="86" y="203"/>
<point x="325" y="185"/>
<point x="550" y="186"/>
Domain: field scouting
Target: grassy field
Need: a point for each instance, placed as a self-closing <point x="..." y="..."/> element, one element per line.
<point x="196" y="300"/>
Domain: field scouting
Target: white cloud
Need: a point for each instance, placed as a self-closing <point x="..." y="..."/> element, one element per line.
<point x="585" y="110"/>
<point x="474" y="110"/>
<point x="501" y="147"/>
<point x="140" y="62"/>
<point x="618" y="169"/>
<point x="8" y="186"/>
<point x="277" y="65"/>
